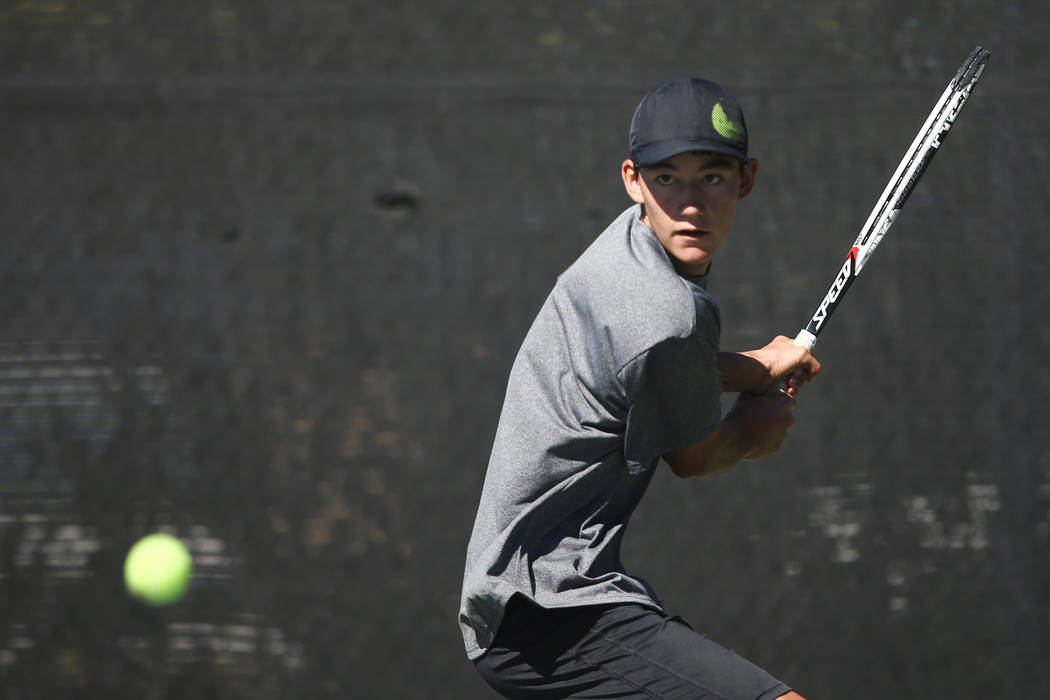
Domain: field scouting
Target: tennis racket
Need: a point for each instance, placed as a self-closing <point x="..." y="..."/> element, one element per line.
<point x="916" y="159"/>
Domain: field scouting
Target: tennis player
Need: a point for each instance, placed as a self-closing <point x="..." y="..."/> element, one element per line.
<point x="621" y="368"/>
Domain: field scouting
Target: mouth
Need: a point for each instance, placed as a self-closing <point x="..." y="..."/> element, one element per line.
<point x="692" y="233"/>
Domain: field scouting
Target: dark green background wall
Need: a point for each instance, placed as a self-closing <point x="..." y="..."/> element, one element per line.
<point x="264" y="267"/>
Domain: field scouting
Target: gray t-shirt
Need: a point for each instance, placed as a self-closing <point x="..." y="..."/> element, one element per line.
<point x="618" y="368"/>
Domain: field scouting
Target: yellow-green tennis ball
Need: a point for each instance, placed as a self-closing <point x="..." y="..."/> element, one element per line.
<point x="157" y="569"/>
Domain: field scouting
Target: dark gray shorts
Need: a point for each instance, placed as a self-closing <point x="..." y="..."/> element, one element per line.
<point x="615" y="651"/>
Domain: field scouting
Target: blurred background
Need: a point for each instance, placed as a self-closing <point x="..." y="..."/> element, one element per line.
<point x="264" y="268"/>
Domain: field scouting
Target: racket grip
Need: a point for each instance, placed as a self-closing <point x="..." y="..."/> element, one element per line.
<point x="804" y="339"/>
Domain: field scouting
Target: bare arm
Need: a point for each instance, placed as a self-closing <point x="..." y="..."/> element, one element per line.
<point x="756" y="426"/>
<point x="755" y="370"/>
<point x="716" y="454"/>
<point x="758" y="423"/>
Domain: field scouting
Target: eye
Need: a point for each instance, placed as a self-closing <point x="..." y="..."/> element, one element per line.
<point x="713" y="179"/>
<point x="664" y="179"/>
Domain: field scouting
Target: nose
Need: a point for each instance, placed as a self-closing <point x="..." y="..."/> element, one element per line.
<point x="692" y="202"/>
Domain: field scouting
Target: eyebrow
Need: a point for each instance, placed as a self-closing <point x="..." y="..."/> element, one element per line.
<point x="714" y="163"/>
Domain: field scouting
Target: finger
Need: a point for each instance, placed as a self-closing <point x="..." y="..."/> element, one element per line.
<point x="796" y="380"/>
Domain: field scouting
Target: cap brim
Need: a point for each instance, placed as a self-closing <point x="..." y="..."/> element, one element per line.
<point x="649" y="156"/>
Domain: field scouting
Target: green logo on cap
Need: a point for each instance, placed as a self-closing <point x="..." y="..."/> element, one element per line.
<point x="725" y="126"/>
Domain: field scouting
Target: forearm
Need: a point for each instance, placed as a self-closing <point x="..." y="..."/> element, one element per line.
<point x="716" y="454"/>
<point x="741" y="372"/>
<point x="753" y="371"/>
<point x="755" y="427"/>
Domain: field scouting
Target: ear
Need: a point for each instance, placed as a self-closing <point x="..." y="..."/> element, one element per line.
<point x="747" y="178"/>
<point x="632" y="181"/>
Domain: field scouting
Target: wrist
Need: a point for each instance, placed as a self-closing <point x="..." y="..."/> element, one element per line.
<point x="737" y="442"/>
<point x="732" y="447"/>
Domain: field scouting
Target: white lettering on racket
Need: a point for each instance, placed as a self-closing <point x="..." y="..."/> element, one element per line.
<point x="949" y="119"/>
<point x="841" y="279"/>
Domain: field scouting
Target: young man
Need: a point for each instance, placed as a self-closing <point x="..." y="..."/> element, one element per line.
<point x="620" y="369"/>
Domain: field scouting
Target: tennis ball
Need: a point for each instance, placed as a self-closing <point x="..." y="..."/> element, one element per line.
<point x="157" y="569"/>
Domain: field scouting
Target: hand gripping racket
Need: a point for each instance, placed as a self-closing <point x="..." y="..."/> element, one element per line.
<point x="919" y="154"/>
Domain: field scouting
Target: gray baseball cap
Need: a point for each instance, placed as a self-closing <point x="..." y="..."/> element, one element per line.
<point x="687" y="114"/>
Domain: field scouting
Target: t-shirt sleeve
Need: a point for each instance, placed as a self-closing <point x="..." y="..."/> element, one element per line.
<point x="676" y="390"/>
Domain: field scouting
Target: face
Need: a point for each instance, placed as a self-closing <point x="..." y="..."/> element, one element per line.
<point x="689" y="201"/>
